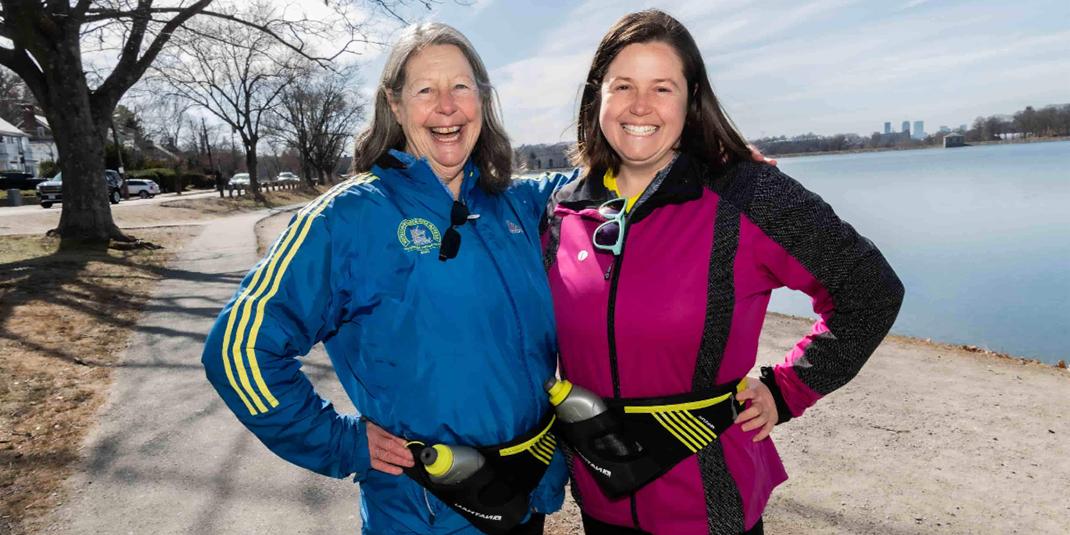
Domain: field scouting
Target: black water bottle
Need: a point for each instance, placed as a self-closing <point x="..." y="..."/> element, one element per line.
<point x="575" y="404"/>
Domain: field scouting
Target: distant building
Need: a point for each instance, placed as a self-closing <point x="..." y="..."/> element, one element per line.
<point x="944" y="129"/>
<point x="919" y="130"/>
<point x="887" y="127"/>
<point x="954" y="140"/>
<point x="963" y="128"/>
<point x="41" y="144"/>
<point x="539" y="157"/>
<point x="906" y="127"/>
<point x="14" y="144"/>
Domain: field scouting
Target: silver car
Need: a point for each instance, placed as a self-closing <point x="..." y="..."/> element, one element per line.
<point x="239" y="180"/>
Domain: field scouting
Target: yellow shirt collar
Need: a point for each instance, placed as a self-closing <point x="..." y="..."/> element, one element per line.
<point x="610" y="181"/>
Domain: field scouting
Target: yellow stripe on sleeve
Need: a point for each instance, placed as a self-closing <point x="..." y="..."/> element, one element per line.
<point x="230" y="325"/>
<point x="277" y="281"/>
<point x="243" y="305"/>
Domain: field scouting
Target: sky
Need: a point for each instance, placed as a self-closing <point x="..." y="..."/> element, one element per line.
<point x="784" y="67"/>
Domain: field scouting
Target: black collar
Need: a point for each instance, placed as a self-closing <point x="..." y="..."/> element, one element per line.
<point x="388" y="161"/>
<point x="685" y="181"/>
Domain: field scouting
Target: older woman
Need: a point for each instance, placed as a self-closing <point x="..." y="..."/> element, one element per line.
<point x="423" y="278"/>
<point x="661" y="260"/>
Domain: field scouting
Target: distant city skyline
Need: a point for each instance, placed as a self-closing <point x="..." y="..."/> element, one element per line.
<point x="785" y="67"/>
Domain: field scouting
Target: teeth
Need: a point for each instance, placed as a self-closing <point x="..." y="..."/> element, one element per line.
<point x="445" y="130"/>
<point x="639" y="130"/>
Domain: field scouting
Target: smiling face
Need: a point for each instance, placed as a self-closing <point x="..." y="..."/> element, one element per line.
<point x="644" y="106"/>
<point x="439" y="109"/>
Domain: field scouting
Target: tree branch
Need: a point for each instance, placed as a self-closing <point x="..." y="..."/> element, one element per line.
<point x="130" y="69"/>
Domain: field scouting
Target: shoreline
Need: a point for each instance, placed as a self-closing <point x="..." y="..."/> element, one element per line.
<point x="936" y="344"/>
<point x="925" y="147"/>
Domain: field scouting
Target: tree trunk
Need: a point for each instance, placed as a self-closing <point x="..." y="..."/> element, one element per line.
<point x="306" y="171"/>
<point x="250" y="165"/>
<point x="86" y="214"/>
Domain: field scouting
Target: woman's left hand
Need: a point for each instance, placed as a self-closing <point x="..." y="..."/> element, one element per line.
<point x="762" y="411"/>
<point x="757" y="156"/>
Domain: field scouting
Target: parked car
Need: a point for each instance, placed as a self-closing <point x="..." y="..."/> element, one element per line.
<point x="51" y="191"/>
<point x="15" y="180"/>
<point x="286" y="176"/>
<point x="143" y="187"/>
<point x="239" y="180"/>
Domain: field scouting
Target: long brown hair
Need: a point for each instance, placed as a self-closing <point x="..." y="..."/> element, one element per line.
<point x="708" y="133"/>
<point x="491" y="153"/>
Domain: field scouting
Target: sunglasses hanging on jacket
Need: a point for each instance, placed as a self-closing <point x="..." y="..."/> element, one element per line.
<point x="451" y="240"/>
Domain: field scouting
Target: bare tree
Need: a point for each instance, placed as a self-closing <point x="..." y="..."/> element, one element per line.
<point x="238" y="77"/>
<point x="44" y="46"/>
<point x="317" y="118"/>
<point x="14" y="97"/>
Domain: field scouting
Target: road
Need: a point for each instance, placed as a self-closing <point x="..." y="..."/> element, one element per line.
<point x="16" y="211"/>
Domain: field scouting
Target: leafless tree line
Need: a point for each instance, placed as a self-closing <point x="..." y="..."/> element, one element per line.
<point x="55" y="48"/>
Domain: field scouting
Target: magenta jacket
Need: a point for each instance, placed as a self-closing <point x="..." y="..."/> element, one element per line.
<point x="682" y="308"/>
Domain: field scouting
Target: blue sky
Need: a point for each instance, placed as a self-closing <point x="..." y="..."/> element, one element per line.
<point x="787" y="67"/>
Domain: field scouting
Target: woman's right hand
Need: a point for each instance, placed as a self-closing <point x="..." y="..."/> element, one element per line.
<point x="388" y="452"/>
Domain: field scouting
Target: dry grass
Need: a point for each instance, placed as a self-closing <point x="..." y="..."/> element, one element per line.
<point x="65" y="317"/>
<point x="215" y="206"/>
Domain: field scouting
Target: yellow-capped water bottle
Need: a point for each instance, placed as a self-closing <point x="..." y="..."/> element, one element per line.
<point x="576" y="403"/>
<point x="450" y="465"/>
<point x="573" y="403"/>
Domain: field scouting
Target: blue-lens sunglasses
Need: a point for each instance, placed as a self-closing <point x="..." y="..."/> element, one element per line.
<point x="609" y="236"/>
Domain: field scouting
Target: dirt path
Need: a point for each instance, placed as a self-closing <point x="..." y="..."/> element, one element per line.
<point x="166" y="455"/>
<point x="927" y="439"/>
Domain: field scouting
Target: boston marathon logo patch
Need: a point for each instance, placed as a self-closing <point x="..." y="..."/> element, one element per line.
<point x="418" y="235"/>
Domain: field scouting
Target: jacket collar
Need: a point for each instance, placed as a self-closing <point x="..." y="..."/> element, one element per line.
<point x="683" y="183"/>
<point x="420" y="172"/>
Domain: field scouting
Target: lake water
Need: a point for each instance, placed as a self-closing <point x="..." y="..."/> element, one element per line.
<point x="980" y="237"/>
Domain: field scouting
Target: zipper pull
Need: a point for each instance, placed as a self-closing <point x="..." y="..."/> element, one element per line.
<point x="609" y="270"/>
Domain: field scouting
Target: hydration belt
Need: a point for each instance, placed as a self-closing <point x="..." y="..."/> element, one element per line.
<point x="638" y="439"/>
<point x="496" y="497"/>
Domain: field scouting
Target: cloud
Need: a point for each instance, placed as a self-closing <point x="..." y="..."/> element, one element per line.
<point x="539" y="95"/>
<point x="784" y="66"/>
<point x="913" y="4"/>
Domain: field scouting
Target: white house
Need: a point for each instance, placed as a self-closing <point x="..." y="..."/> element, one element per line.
<point x="42" y="146"/>
<point x="14" y="145"/>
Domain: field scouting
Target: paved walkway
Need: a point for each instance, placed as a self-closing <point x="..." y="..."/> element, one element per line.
<point x="167" y="455"/>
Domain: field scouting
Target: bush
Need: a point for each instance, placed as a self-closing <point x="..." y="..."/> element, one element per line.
<point x="49" y="168"/>
<point x="198" y="180"/>
<point x="163" y="176"/>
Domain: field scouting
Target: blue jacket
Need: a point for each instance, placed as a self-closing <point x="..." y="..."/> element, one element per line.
<point x="453" y="352"/>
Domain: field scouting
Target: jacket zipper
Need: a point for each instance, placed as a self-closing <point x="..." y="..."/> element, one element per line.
<point x="613" y="275"/>
<point x="429" y="509"/>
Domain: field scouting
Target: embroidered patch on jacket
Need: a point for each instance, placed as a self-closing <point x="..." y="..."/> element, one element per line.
<point x="419" y="235"/>
<point x="513" y="227"/>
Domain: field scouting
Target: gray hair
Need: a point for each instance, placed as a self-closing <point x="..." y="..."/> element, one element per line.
<point x="492" y="152"/>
